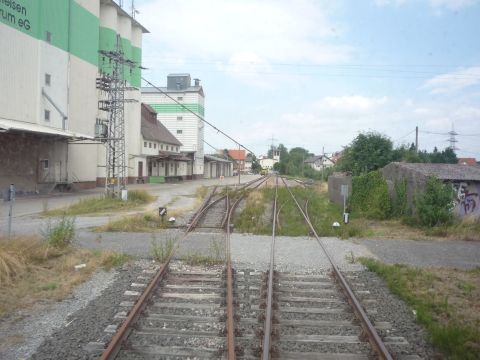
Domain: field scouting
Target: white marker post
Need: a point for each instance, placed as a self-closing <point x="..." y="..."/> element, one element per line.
<point x="344" y="192"/>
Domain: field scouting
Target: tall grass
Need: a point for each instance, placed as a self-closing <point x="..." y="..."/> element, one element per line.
<point x="161" y="250"/>
<point x="103" y="203"/>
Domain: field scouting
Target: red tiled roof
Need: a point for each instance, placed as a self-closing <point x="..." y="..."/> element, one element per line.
<point x="237" y="154"/>
<point x="467" y="161"/>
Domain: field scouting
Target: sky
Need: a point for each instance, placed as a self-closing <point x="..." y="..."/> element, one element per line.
<point x="314" y="73"/>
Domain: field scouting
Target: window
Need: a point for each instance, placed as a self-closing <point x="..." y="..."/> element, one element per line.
<point x="48" y="37"/>
<point x="179" y="98"/>
<point x="161" y="146"/>
<point x="44" y="164"/>
<point x="179" y="117"/>
<point x="167" y="147"/>
<point x="179" y="131"/>
<point x="150" y="145"/>
<point x="177" y="148"/>
<point x="47" y="115"/>
<point x="154" y="146"/>
<point x="48" y="79"/>
<point x="144" y="144"/>
<point x="163" y="165"/>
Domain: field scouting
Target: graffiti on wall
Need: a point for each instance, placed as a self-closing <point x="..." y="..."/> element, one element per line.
<point x="467" y="200"/>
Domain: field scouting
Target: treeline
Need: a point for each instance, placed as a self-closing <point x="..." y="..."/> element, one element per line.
<point x="367" y="152"/>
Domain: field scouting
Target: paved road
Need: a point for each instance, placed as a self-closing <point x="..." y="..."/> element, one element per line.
<point x="27" y="211"/>
<point x="27" y="220"/>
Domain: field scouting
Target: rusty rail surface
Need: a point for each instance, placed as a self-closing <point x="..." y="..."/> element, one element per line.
<point x="373" y="337"/>
<point x="230" y="314"/>
<point x="122" y="333"/>
<point x="266" y="345"/>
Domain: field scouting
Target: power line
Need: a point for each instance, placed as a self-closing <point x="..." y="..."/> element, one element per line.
<point x="195" y="114"/>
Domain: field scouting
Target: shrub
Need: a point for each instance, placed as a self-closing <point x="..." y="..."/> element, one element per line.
<point x="399" y="203"/>
<point x="434" y="206"/>
<point x="370" y="196"/>
<point x="61" y="232"/>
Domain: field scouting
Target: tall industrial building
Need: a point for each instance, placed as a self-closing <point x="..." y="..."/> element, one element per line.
<point x="183" y="120"/>
<point x="49" y="102"/>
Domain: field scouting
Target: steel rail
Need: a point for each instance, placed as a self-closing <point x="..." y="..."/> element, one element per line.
<point x="266" y="345"/>
<point x="373" y="337"/>
<point x="122" y="333"/>
<point x="230" y="314"/>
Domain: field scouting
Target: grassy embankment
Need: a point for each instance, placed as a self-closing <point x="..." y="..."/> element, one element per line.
<point x="150" y="221"/>
<point x="446" y="302"/>
<point x="103" y="204"/>
<point x="34" y="269"/>
<point x="254" y="219"/>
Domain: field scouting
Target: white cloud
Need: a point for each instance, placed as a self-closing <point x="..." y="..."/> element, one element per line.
<point x="247" y="35"/>
<point x="436" y="5"/>
<point x="349" y="104"/>
<point x="454" y="81"/>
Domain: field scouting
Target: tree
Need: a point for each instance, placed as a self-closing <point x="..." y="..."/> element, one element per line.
<point x="367" y="152"/>
<point x="256" y="167"/>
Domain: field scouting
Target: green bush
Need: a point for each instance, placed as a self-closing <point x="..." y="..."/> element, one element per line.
<point x="370" y="196"/>
<point x="434" y="206"/>
<point x="61" y="232"/>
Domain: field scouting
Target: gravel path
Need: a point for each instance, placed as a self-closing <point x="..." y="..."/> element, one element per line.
<point x="455" y="254"/>
<point x="23" y="332"/>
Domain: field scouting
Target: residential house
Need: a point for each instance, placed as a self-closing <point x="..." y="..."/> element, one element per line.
<point x="238" y="157"/>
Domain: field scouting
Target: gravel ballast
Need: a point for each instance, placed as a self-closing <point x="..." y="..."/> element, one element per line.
<point x="32" y="326"/>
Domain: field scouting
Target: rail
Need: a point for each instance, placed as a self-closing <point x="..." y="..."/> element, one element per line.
<point x="373" y="337"/>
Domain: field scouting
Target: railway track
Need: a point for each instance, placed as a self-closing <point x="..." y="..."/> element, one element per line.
<point x="185" y="312"/>
<point x="315" y="316"/>
<point x="214" y="312"/>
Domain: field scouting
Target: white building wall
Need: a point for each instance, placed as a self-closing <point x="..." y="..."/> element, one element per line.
<point x="19" y="76"/>
<point x="83" y="101"/>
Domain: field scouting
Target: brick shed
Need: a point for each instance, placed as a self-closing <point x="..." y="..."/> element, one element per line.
<point x="465" y="180"/>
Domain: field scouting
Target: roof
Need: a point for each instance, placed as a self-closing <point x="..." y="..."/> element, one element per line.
<point x="214" y="158"/>
<point x="154" y="130"/>
<point x="22" y="126"/>
<point x="237" y="154"/>
<point x="312" y="159"/>
<point x="124" y="13"/>
<point x="442" y="171"/>
<point x="467" y="161"/>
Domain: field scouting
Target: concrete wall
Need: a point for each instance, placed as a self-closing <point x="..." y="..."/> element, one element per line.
<point x="21" y="162"/>
<point x="467" y="198"/>
<point x="415" y="181"/>
<point x="335" y="183"/>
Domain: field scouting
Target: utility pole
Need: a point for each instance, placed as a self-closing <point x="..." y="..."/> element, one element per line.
<point x="114" y="86"/>
<point x="238" y="165"/>
<point x="416" y="139"/>
<point x="323" y="163"/>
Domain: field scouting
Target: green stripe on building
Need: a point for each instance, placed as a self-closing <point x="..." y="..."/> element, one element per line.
<point x="72" y="28"/>
<point x="108" y="40"/>
<point x="176" y="108"/>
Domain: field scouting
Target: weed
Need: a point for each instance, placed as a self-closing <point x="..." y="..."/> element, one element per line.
<point x="12" y="264"/>
<point x="449" y="313"/>
<point x="113" y="259"/>
<point x="213" y="257"/>
<point x="59" y="233"/>
<point x="134" y="223"/>
<point x="101" y="204"/>
<point x="161" y="250"/>
<point x="49" y="287"/>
